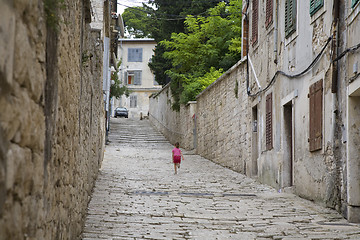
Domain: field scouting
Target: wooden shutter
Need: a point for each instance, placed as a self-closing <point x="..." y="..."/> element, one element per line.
<point x="245" y="37"/>
<point x="354" y="2"/>
<point x="316" y="115"/>
<point x="315" y="5"/>
<point x="290" y="17"/>
<point x="269" y="12"/>
<point x="255" y="18"/>
<point x="269" y="142"/>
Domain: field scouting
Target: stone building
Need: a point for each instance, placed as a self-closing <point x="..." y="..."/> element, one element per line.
<point x="293" y="120"/>
<point x="51" y="117"/>
<point x="303" y="100"/>
<point x="135" y="73"/>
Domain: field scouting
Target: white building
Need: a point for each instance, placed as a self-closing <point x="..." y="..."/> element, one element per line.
<point x="135" y="73"/>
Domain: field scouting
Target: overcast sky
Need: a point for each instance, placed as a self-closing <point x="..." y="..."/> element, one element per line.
<point x="130" y="3"/>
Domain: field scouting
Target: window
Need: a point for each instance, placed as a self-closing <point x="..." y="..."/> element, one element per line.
<point x="315" y="112"/>
<point x="255" y="17"/>
<point x="315" y="5"/>
<point x="354" y="2"/>
<point x="133" y="101"/>
<point x="269" y="142"/>
<point x="269" y="12"/>
<point x="135" y="54"/>
<point x="290" y="17"/>
<point x="133" y="77"/>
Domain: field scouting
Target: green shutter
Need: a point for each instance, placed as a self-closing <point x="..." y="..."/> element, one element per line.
<point x="315" y="5"/>
<point x="354" y="2"/>
<point x="290" y="17"/>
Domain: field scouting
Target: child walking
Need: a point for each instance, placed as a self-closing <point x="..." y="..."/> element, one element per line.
<point x="177" y="156"/>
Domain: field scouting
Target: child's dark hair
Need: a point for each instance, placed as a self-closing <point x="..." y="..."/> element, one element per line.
<point x="177" y="144"/>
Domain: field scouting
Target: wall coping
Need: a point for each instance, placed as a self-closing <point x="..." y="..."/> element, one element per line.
<point x="154" y="95"/>
<point x="228" y="72"/>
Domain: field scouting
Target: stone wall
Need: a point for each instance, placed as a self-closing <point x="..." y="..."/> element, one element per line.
<point x="51" y="121"/>
<point x="220" y="118"/>
<point x="223" y="121"/>
<point x="163" y="117"/>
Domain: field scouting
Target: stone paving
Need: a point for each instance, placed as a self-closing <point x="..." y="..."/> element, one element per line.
<point x="137" y="196"/>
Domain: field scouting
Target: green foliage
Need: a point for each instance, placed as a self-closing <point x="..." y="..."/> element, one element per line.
<point x="137" y="22"/>
<point x="51" y="12"/>
<point x="209" y="45"/>
<point x="165" y="24"/>
<point x="116" y="90"/>
<point x="195" y="85"/>
<point x="193" y="51"/>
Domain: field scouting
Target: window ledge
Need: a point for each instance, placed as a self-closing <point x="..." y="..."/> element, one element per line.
<point x="354" y="12"/>
<point x="318" y="14"/>
<point x="291" y="38"/>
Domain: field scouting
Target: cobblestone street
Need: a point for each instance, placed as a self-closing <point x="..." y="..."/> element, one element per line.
<point x="137" y="196"/>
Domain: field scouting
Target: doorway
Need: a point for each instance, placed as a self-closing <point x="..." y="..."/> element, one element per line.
<point x="254" y="142"/>
<point x="353" y="159"/>
<point x="288" y="164"/>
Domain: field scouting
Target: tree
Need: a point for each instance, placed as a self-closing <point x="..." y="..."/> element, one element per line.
<point x="169" y="17"/>
<point x="138" y="22"/>
<point x="116" y="90"/>
<point x="209" y="46"/>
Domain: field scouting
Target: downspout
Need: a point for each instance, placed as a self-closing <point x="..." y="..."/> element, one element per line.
<point x="333" y="188"/>
<point x="334" y="47"/>
<point x="276" y="32"/>
<point x="244" y="12"/>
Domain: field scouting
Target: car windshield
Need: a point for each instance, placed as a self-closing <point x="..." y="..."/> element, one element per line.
<point x="121" y="109"/>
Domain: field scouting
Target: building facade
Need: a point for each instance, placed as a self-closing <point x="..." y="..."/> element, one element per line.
<point x="294" y="121"/>
<point x="135" y="73"/>
<point x="303" y="97"/>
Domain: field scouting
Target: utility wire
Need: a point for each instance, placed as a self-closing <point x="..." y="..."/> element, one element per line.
<point x="351" y="49"/>
<point x="172" y="15"/>
<point x="312" y="64"/>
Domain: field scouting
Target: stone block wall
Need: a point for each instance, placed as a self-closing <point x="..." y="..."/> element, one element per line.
<point x="220" y="116"/>
<point x="51" y="119"/>
<point x="223" y="121"/>
<point x="163" y="117"/>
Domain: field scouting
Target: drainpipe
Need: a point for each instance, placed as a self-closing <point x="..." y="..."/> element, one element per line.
<point x="335" y="68"/>
<point x="335" y="30"/>
<point x="276" y="32"/>
<point x="334" y="200"/>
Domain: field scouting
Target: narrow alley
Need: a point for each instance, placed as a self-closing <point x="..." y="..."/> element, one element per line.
<point x="137" y="196"/>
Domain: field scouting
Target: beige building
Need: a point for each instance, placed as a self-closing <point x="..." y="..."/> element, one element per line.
<point x="306" y="105"/>
<point x="288" y="113"/>
<point x="135" y="73"/>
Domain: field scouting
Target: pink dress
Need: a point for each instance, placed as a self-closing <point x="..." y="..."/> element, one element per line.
<point x="177" y="155"/>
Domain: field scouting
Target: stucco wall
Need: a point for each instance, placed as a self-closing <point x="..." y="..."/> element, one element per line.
<point x="51" y="121"/>
<point x="148" y="85"/>
<point x="224" y="123"/>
